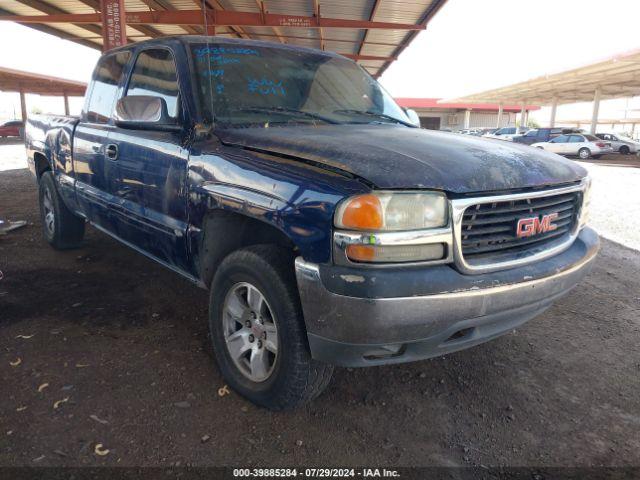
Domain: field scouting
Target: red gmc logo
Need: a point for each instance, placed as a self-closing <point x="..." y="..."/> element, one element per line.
<point x="528" y="227"/>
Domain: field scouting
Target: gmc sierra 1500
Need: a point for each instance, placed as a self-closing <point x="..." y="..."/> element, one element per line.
<point x="328" y="228"/>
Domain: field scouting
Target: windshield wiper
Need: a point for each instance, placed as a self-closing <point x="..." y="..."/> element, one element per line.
<point x="285" y="110"/>
<point x="374" y="114"/>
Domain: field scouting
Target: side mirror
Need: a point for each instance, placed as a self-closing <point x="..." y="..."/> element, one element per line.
<point x="413" y="117"/>
<point x="144" y="112"/>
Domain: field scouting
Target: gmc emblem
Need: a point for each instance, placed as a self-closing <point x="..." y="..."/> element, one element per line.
<point x="528" y="227"/>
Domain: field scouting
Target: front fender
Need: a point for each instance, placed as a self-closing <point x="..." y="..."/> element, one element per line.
<point x="296" y="198"/>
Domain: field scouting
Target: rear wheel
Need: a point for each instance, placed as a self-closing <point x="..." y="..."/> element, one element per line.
<point x="584" y="153"/>
<point x="61" y="228"/>
<point x="258" y="331"/>
<point x="624" y="150"/>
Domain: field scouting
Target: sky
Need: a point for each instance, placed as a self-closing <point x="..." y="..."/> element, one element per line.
<point x="470" y="46"/>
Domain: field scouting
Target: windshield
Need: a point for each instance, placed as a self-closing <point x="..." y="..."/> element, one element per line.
<point x="248" y="85"/>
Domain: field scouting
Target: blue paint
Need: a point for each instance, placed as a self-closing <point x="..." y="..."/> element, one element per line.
<point x="265" y="86"/>
<point x="219" y="50"/>
<point x="213" y="73"/>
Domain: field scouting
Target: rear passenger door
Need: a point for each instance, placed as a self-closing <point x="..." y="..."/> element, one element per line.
<point x="153" y="165"/>
<point x="95" y="174"/>
<point x="576" y="142"/>
<point x="558" y="144"/>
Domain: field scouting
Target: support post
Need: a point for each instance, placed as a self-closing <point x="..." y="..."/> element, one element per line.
<point x="23" y="106"/>
<point x="113" y="24"/>
<point x="596" y="108"/>
<point x="523" y="110"/>
<point x="66" y="104"/>
<point x="554" y="108"/>
<point x="467" y="118"/>
<point x="499" y="115"/>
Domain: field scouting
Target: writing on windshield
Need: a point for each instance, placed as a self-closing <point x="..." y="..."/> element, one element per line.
<point x="258" y="85"/>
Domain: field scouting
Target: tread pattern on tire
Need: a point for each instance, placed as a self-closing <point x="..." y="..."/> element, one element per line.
<point x="310" y="376"/>
<point x="69" y="229"/>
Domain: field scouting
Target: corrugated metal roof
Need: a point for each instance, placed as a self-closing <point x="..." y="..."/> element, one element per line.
<point x="384" y="45"/>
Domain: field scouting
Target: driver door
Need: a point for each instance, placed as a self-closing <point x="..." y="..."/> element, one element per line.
<point x="152" y="166"/>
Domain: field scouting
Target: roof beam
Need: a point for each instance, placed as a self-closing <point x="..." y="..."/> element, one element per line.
<point x="216" y="5"/>
<point x="374" y="10"/>
<point x="57" y="33"/>
<point x="51" y="10"/>
<point x="316" y="9"/>
<point x="161" y="5"/>
<point x="217" y="18"/>
<point x="426" y="18"/>
<point x="263" y="10"/>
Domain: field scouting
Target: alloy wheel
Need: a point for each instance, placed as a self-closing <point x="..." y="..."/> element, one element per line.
<point x="250" y="331"/>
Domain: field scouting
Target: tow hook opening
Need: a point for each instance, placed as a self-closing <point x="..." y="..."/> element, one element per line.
<point x="460" y="334"/>
<point x="385" y="351"/>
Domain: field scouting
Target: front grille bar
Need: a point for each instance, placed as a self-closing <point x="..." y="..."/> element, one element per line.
<point x="484" y="211"/>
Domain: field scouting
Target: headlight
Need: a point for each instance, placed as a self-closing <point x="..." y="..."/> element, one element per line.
<point x="393" y="211"/>
<point x="586" y="200"/>
<point x="394" y="227"/>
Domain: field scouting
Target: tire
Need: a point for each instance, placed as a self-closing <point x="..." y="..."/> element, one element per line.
<point x="624" y="150"/>
<point x="61" y="228"/>
<point x="292" y="378"/>
<point x="584" y="153"/>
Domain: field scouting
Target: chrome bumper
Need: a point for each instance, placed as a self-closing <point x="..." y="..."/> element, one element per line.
<point x="354" y="331"/>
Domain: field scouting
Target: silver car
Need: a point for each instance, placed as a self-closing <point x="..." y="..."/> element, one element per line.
<point x="582" y="145"/>
<point x="620" y="144"/>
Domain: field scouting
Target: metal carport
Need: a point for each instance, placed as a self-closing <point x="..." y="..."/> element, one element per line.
<point x="615" y="77"/>
<point x="27" y="82"/>
<point x="372" y="32"/>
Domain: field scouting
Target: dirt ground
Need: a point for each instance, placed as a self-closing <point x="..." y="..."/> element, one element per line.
<point x="102" y="346"/>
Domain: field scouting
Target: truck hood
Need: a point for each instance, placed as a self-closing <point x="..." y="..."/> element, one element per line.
<point x="394" y="157"/>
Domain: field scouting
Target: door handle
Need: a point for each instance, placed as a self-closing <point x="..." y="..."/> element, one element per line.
<point x="112" y="151"/>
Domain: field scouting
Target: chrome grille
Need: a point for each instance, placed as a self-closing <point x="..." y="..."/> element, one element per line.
<point x="490" y="228"/>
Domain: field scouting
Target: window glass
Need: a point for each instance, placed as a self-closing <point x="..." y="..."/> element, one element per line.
<point x="560" y="139"/>
<point x="591" y="138"/>
<point x="532" y="133"/>
<point x="106" y="78"/>
<point x="576" y="139"/>
<point x="155" y="74"/>
<point x="259" y="85"/>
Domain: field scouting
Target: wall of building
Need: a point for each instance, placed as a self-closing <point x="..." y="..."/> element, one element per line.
<point x="453" y="119"/>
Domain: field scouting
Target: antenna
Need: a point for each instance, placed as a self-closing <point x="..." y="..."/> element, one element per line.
<point x="206" y="32"/>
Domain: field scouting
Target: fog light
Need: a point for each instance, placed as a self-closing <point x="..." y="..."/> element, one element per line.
<point x="395" y="253"/>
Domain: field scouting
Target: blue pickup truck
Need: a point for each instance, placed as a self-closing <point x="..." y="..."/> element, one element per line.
<point x="328" y="228"/>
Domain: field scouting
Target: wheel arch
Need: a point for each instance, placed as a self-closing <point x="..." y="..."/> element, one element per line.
<point x="225" y="231"/>
<point x="42" y="164"/>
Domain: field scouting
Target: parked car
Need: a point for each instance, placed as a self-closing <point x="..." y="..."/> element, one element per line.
<point x="619" y="143"/>
<point x="582" y="145"/>
<point x="328" y="229"/>
<point x="13" y="128"/>
<point x="536" y="135"/>
<point x="505" y="133"/>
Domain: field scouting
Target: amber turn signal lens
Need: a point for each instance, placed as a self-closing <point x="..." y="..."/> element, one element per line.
<point x="361" y="253"/>
<point x="363" y="212"/>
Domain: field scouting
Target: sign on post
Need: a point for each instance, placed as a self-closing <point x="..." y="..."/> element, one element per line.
<point x="113" y="24"/>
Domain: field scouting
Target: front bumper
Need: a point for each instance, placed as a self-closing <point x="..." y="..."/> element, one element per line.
<point x="362" y="317"/>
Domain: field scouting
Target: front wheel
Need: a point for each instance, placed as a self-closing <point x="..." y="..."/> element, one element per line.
<point x="584" y="153"/>
<point x="61" y="228"/>
<point x="258" y="332"/>
<point x="624" y="150"/>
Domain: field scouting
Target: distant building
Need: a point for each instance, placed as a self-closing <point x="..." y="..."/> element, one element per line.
<point x="457" y="116"/>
